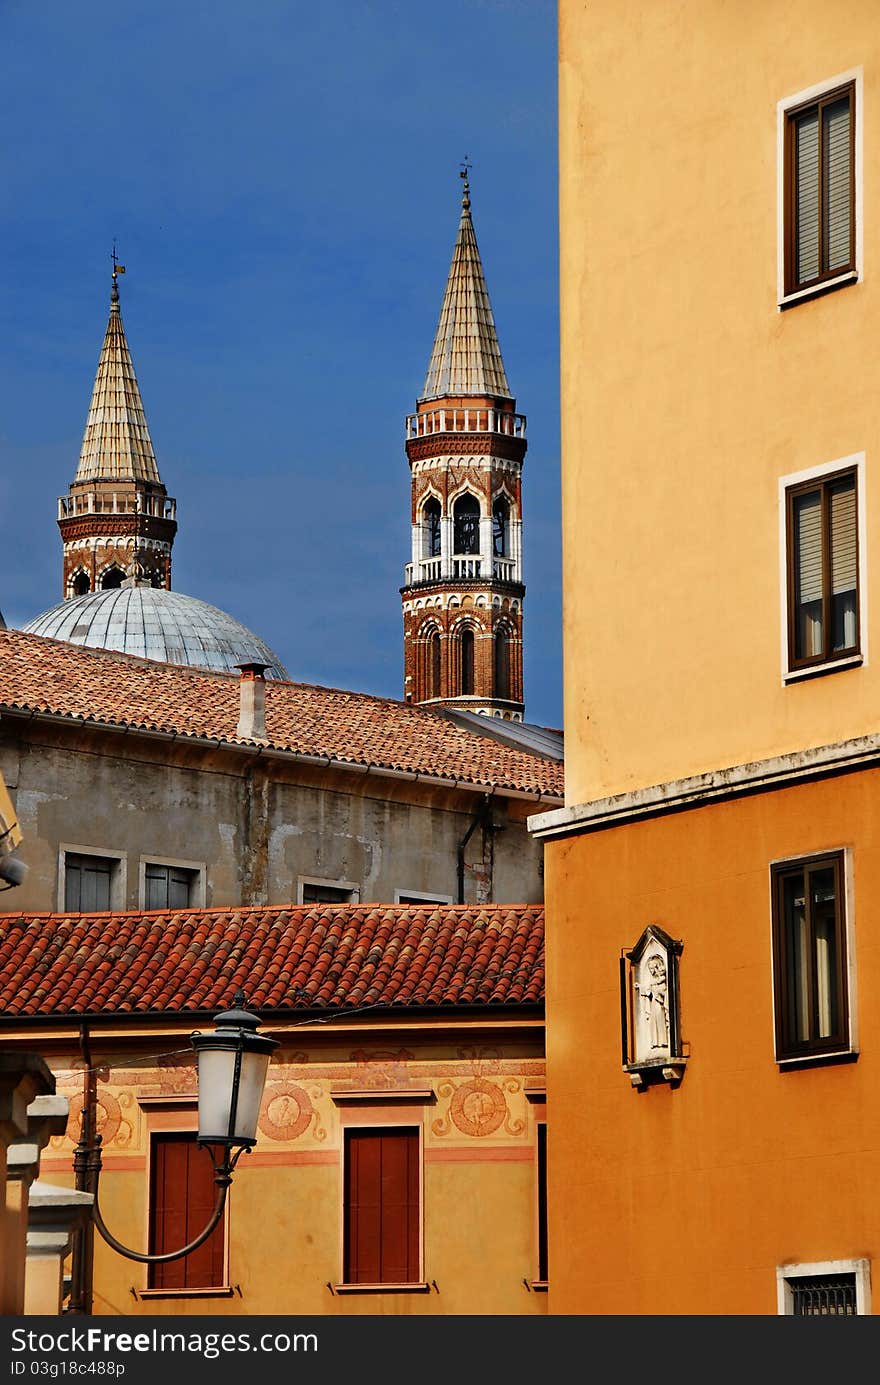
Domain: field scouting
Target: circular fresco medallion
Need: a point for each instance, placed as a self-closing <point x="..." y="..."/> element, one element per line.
<point x="478" y="1107"/>
<point x="285" y="1112"/>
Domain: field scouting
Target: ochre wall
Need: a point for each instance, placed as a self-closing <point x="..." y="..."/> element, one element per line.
<point x="686" y="1200"/>
<point x="285" y="1207"/>
<point x="686" y="393"/>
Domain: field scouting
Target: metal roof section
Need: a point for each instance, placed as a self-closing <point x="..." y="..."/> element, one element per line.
<point x="466" y="358"/>
<point x="153" y="623"/>
<point x="523" y="735"/>
<point x="116" y="444"/>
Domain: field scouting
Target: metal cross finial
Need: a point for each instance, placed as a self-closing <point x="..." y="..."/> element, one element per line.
<point x="465" y="169"/>
<point x="117" y="267"/>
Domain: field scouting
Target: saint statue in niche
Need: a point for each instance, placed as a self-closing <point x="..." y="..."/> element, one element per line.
<point x="652" y="988"/>
<point x="651" y="1008"/>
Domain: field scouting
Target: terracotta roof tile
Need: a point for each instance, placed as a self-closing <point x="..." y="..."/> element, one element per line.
<point x="289" y="957"/>
<point x="345" y="728"/>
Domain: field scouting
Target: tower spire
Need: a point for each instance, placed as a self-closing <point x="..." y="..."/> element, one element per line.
<point x="116" y="443"/>
<point x="463" y="592"/>
<point x="117" y="511"/>
<point x="466" y="356"/>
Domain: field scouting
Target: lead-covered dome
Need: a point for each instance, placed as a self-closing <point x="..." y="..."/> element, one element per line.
<point x="153" y="623"/>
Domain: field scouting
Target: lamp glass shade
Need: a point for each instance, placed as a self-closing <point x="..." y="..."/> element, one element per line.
<point x="254" y="1070"/>
<point x="216" y="1079"/>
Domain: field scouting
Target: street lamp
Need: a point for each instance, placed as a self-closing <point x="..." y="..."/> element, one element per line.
<point x="233" y="1061"/>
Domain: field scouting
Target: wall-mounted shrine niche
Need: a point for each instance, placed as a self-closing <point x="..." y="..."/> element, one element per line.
<point x="650" y="1009"/>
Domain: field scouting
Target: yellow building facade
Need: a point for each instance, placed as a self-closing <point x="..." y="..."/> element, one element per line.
<point x="400" y="1156"/>
<point x="709" y="884"/>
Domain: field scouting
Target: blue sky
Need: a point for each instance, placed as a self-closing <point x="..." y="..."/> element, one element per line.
<point x="282" y="180"/>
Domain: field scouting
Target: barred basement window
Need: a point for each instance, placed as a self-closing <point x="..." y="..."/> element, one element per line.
<point x="818" y="1297"/>
<point x="823" y="569"/>
<point x="820" y="189"/>
<point x="830" y="1289"/>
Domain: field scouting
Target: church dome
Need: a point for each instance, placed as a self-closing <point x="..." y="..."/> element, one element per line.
<point x="153" y="623"/>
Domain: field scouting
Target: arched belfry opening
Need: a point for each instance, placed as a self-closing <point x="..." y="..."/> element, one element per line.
<point x="431" y="517"/>
<point x="465" y="445"/>
<point x="466" y="524"/>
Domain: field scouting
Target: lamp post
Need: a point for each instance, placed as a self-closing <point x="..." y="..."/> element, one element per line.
<point x="232" y="1062"/>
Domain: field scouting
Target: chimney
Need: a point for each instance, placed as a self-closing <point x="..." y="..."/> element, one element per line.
<point x="252" y="702"/>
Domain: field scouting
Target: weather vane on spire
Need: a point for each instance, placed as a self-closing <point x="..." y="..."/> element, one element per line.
<point x="464" y="171"/>
<point x="117" y="267"/>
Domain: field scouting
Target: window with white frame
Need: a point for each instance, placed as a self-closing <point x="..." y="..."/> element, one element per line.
<point x="822" y="555"/>
<point x="167" y="884"/>
<point x="819" y="187"/>
<point x="832" y="1288"/>
<point x="90" y="880"/>
<point x="420" y="897"/>
<point x="313" y="889"/>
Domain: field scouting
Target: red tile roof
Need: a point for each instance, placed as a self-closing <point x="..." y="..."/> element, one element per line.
<point x="333" y="957"/>
<point x="345" y="728"/>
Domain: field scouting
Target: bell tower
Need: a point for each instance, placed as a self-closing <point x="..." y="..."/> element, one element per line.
<point x="463" y="597"/>
<point x="116" y="516"/>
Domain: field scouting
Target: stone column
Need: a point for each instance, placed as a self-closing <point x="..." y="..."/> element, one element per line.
<point x="53" y="1215"/>
<point x="24" y="1077"/>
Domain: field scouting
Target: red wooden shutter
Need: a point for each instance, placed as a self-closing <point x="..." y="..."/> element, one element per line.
<point x="381" y="1207"/>
<point x="182" y="1196"/>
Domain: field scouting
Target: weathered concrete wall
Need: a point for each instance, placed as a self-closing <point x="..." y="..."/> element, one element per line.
<point x="255" y="824"/>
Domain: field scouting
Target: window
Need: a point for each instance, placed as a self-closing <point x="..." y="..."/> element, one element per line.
<point x="500" y="529"/>
<point x="382" y="1206"/>
<point x="541" y="1131"/>
<point x="182" y="1198"/>
<point x="835" y="1288"/>
<point x="819" y="192"/>
<point x="466" y="656"/>
<point x="418" y="897"/>
<point x="809" y="957"/>
<point x="466" y="524"/>
<point x="431" y="520"/>
<point x="434" y="665"/>
<point x="89" y="882"/>
<point x="822" y="557"/>
<point x="112" y="578"/>
<point x="80" y="584"/>
<point x="170" y="887"/>
<point x="502" y="664"/>
<point x="314" y="891"/>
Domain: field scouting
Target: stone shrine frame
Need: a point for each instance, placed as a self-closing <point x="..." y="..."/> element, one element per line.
<point x="650" y="1009"/>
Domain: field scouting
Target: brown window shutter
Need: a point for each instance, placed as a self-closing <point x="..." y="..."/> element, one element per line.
<point x="382" y="1207"/>
<point x="182" y="1196"/>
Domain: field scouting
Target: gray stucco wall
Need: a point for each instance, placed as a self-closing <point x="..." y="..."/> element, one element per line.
<point x="253" y="824"/>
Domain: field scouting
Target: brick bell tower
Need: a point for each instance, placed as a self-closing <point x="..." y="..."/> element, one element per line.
<point x="116" y="519"/>
<point x="463" y="598"/>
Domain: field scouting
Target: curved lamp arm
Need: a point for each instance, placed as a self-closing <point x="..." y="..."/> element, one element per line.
<point x="111" y="1240"/>
<point x="222" y="1178"/>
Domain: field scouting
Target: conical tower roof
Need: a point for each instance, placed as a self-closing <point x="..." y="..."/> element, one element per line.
<point x="116" y="445"/>
<point x="466" y="358"/>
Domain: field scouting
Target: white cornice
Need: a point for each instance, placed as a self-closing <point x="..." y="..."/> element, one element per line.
<point x="758" y="776"/>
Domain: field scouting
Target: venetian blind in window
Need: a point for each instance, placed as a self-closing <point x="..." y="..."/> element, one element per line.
<point x="821" y="195"/>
